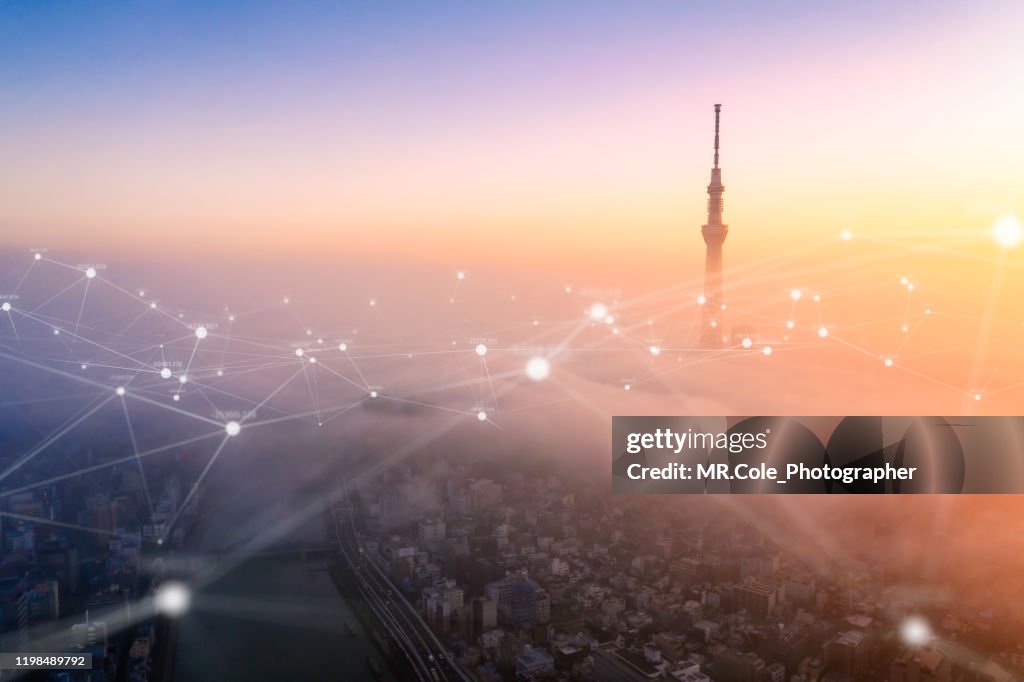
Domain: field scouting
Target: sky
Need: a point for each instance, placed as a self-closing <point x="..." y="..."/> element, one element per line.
<point x="524" y="135"/>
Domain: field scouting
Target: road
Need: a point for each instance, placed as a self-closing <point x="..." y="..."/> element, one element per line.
<point x="430" y="658"/>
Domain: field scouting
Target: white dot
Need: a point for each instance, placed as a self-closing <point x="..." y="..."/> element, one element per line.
<point x="175" y="397"/>
<point x="714" y="323"/>
<point x="231" y="318"/>
<point x="598" y="311"/>
<point x="373" y="302"/>
<point x="220" y="372"/>
<point x="767" y="350"/>
<point x="299" y="352"/>
<point x="822" y="332"/>
<point x="904" y="281"/>
<point x="460" y="275"/>
<point x="481" y="349"/>
<point x="6" y="306"/>
<point x="915" y="631"/>
<point x="609" y="320"/>
<point x="309" y="332"/>
<point x="538" y="368"/>
<point x="723" y="306"/>
<point x="142" y="293"/>
<point x="536" y="323"/>
<point x="153" y="305"/>
<point x="889" y="362"/>
<point x="312" y="360"/>
<point x="85" y="366"/>
<point x="481" y="415"/>
<point x="790" y="324"/>
<point x="165" y="373"/>
<point x="119" y="390"/>
<point x="817" y="298"/>
<point x="846" y="235"/>
<point x="201" y="332"/>
<point x="627" y="387"/>
<point x="702" y="299"/>
<point x="910" y="287"/>
<point x="905" y="329"/>
<point x="977" y="396"/>
<point x="795" y="294"/>
<point x="56" y="332"/>
<point x="320" y="341"/>
<point x="287" y="300"/>
<point x="343" y="347"/>
<point x="928" y="311"/>
<point x="373" y="394"/>
<point x="1008" y="232"/>
<point x="232" y="428"/>
<point x="172" y="599"/>
<point x="747" y="342"/>
<point x="39" y="256"/>
<point x="654" y="350"/>
<point x="90" y="272"/>
<point x="183" y="379"/>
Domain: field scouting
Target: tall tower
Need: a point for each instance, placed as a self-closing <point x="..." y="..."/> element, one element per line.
<point x="714" y="233"/>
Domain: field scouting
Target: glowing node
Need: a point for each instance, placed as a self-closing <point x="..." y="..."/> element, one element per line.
<point x="142" y="293"/>
<point x="817" y="298"/>
<point x="299" y="352"/>
<point x="38" y="256"/>
<point x="373" y="302"/>
<point x="767" y="350"/>
<point x="232" y="428"/>
<point x="598" y="312"/>
<point x="846" y="235"/>
<point x="6" y="306"/>
<point x="309" y="332"/>
<point x="927" y="311"/>
<point x="90" y="272"/>
<point x="654" y="350"/>
<point x="615" y="331"/>
<point x="319" y="423"/>
<point x="889" y="362"/>
<point x="312" y="360"/>
<point x="977" y="396"/>
<point x="568" y="290"/>
<point x="183" y="379"/>
<point x="747" y="342"/>
<point x="538" y="368"/>
<point x="1008" y="232"/>
<point x="910" y="287"/>
<point x="627" y="387"/>
<point x="152" y="306"/>
<point x="904" y="281"/>
<point x="822" y="331"/>
<point x="905" y="328"/>
<point x="85" y="367"/>
<point x="702" y="299"/>
<point x="160" y="541"/>
<point x="723" y="306"/>
<point x="231" y="318"/>
<point x="220" y="372"/>
<point x="796" y="294"/>
<point x="201" y="333"/>
<point x="481" y="349"/>
<point x="172" y="599"/>
<point x="56" y="332"/>
<point x="536" y="323"/>
<point x="286" y="300"/>
<point x="460" y="275"/>
<point x="343" y="347"/>
<point x="175" y="397"/>
<point x="119" y="390"/>
<point x="320" y="341"/>
<point x="790" y="324"/>
<point x="165" y="373"/>
<point x="915" y="631"/>
<point x="609" y="319"/>
<point x="481" y="415"/>
<point x="373" y="394"/>
<point x="714" y="323"/>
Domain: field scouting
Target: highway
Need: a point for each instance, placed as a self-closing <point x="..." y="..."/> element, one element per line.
<point x="430" y="659"/>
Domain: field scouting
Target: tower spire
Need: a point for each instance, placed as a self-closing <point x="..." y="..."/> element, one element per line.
<point x="718" y="113"/>
<point x="714" y="233"/>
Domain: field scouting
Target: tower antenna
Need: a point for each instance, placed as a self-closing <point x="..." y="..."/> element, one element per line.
<point x="718" y="113"/>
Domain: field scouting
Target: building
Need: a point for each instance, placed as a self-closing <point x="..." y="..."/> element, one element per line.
<point x="847" y="653"/>
<point x="534" y="663"/>
<point x="714" y="233"/>
<point x="757" y="597"/>
<point x="431" y="531"/>
<point x="915" y="664"/>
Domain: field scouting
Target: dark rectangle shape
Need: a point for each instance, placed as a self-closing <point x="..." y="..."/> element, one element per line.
<point x="18" y="661"/>
<point x="818" y="455"/>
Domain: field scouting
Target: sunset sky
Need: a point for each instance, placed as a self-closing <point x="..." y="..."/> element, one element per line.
<point x="520" y="135"/>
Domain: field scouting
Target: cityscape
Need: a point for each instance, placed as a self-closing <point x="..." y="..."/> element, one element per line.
<point x="320" y="326"/>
